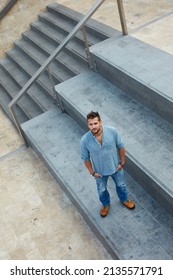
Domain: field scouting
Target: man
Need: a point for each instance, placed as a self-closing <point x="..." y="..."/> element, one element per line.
<point x="103" y="152"/>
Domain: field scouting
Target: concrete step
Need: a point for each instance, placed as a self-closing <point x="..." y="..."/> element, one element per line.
<point x="5" y="100"/>
<point x="36" y="92"/>
<point x="30" y="66"/>
<point x="36" y="55"/>
<point x="65" y="25"/>
<point x="25" y="103"/>
<point x="55" y="36"/>
<point x="140" y="69"/>
<point x="95" y="29"/>
<point x="37" y="44"/>
<point x="148" y="137"/>
<point x="64" y="58"/>
<point x="144" y="233"/>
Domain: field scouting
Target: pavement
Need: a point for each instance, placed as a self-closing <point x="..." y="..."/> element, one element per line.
<point x="37" y="219"/>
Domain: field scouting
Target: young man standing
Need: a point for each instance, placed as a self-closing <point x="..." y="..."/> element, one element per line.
<point x="103" y="153"/>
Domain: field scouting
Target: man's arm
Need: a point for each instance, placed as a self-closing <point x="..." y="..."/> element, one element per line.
<point x="90" y="169"/>
<point x="122" y="154"/>
<point x="89" y="166"/>
<point x="85" y="156"/>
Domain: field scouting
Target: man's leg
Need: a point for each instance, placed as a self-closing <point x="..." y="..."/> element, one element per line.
<point x="102" y="190"/>
<point x="120" y="184"/>
<point x="103" y="195"/>
<point x="122" y="193"/>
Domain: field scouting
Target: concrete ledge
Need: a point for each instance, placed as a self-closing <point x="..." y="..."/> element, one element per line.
<point x="149" y="160"/>
<point x="92" y="25"/>
<point x="141" y="70"/>
<point x="125" y="234"/>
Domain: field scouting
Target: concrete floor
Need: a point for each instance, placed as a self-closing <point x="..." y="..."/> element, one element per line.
<point x="37" y="219"/>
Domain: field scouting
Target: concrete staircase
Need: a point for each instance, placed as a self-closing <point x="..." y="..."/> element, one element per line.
<point x="34" y="47"/>
<point x="131" y="87"/>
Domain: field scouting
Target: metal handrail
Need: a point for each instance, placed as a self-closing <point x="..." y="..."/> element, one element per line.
<point x="42" y="68"/>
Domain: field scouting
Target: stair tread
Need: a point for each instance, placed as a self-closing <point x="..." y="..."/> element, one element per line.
<point x="57" y="69"/>
<point x="58" y="37"/>
<point x="67" y="26"/>
<point x="148" y="137"/>
<point x="142" y="70"/>
<point x="64" y="57"/>
<point x="23" y="61"/>
<point x="25" y="103"/>
<point x="30" y="66"/>
<point x="133" y="60"/>
<point x="144" y="224"/>
<point x="35" y="92"/>
<point x="17" y="75"/>
<point x="5" y="99"/>
<point x="74" y="16"/>
<point x="54" y="66"/>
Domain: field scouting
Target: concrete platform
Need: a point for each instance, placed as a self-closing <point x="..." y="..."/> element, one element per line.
<point x="139" y="234"/>
<point x="143" y="71"/>
<point x="38" y="221"/>
<point x="149" y="157"/>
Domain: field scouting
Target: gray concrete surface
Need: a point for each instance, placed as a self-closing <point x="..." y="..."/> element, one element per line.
<point x="37" y="219"/>
<point x="142" y="130"/>
<point x="149" y="21"/>
<point x="125" y="234"/>
<point x="150" y="67"/>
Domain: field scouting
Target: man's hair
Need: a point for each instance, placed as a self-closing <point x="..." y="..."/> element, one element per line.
<point x="93" y="115"/>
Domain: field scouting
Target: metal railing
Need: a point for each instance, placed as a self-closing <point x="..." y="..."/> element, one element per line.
<point x="46" y="64"/>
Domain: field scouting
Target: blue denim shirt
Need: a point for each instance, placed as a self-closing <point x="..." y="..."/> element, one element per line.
<point x="104" y="157"/>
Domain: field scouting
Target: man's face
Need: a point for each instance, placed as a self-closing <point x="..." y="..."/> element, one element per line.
<point x="94" y="125"/>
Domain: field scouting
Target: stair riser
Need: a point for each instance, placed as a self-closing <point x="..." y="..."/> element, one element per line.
<point x="6" y="99"/>
<point x="28" y="93"/>
<point x="29" y="72"/>
<point x="77" y="38"/>
<point x="150" y="184"/>
<point x="75" y="17"/>
<point x="48" y="53"/>
<point x="135" y="170"/>
<point x="15" y="78"/>
<point x="66" y="27"/>
<point x="63" y="15"/>
<point x="76" y="55"/>
<point x="150" y="98"/>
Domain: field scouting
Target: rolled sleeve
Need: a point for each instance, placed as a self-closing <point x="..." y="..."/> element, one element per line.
<point x="120" y="142"/>
<point x="85" y="155"/>
<point x="117" y="138"/>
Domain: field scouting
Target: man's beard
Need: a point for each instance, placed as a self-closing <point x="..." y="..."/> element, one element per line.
<point x="95" y="133"/>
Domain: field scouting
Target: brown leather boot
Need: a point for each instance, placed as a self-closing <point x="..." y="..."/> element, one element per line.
<point x="104" y="210"/>
<point x="129" y="204"/>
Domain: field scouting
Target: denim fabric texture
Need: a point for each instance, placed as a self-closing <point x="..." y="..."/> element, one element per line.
<point x="118" y="178"/>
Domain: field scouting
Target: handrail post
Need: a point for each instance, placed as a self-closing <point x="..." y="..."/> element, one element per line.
<point x="52" y="82"/>
<point x="90" y="62"/>
<point x="18" y="126"/>
<point x="122" y="17"/>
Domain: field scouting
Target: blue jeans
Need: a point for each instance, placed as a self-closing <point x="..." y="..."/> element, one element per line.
<point x="118" y="178"/>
